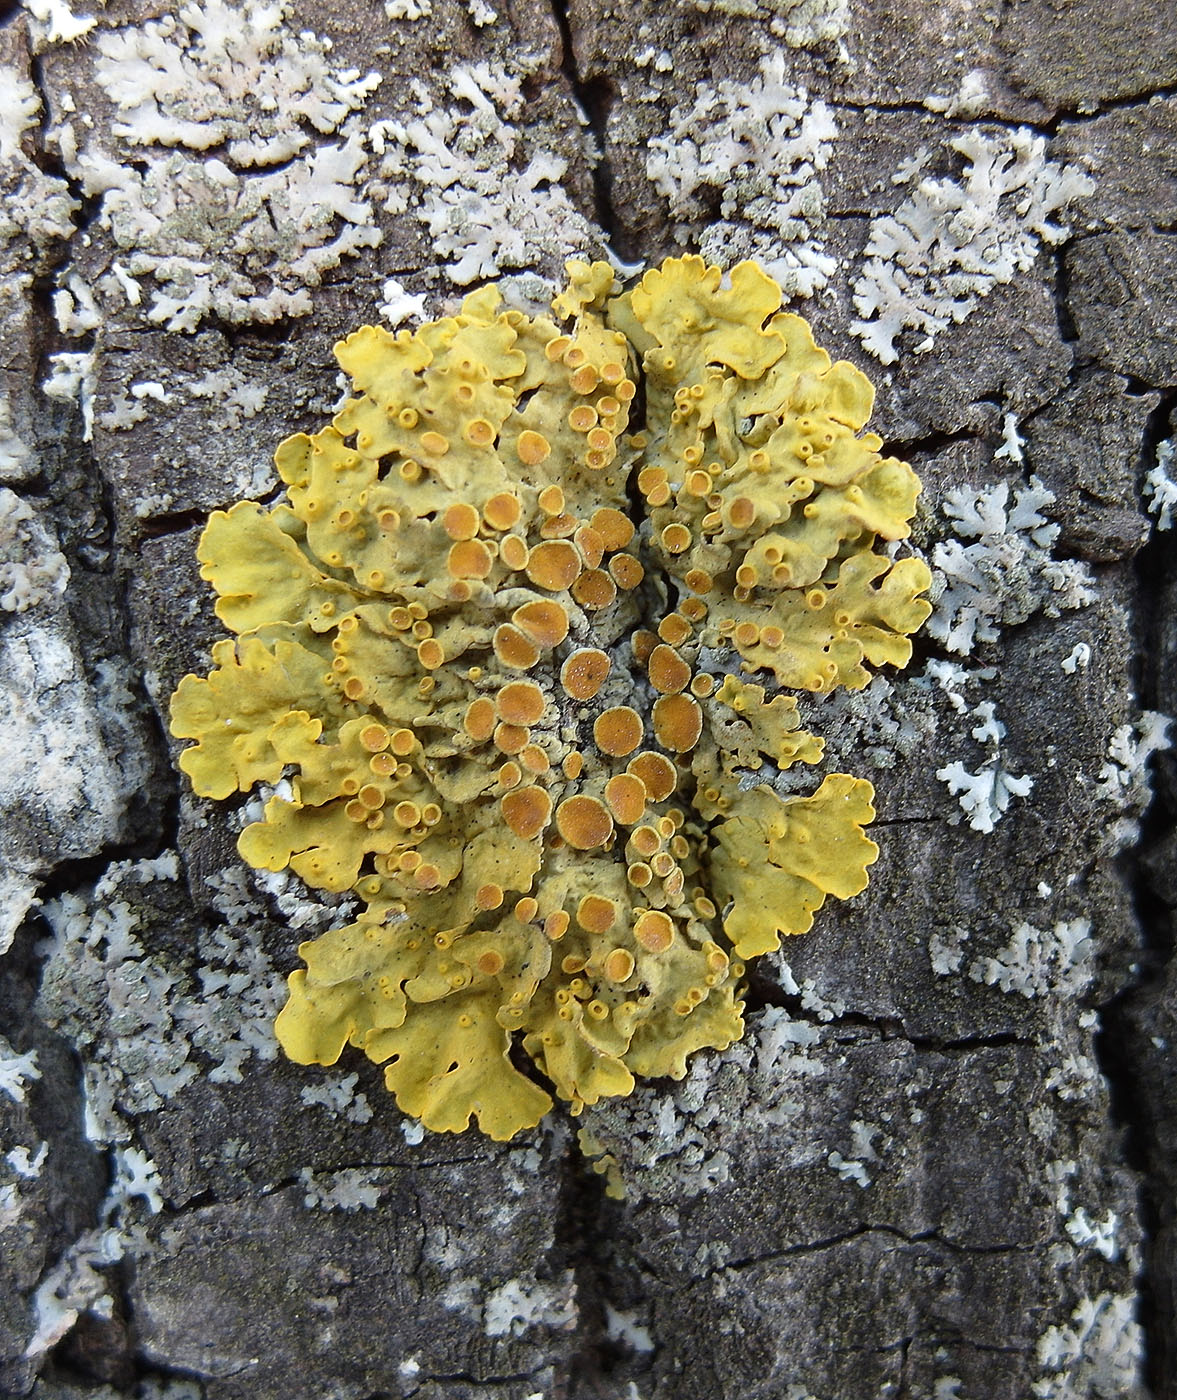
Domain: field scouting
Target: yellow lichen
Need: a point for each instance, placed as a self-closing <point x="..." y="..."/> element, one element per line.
<point x="508" y="717"/>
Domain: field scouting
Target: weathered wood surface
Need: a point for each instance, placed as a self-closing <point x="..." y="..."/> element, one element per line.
<point x="924" y="1174"/>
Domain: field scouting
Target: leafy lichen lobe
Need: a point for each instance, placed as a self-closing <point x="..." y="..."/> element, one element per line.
<point x="515" y="721"/>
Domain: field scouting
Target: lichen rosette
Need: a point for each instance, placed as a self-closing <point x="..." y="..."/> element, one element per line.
<point x="514" y="721"/>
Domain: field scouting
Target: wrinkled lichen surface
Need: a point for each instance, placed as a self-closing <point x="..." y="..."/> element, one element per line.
<point x="533" y="729"/>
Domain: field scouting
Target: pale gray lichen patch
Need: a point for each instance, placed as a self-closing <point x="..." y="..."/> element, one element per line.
<point x="36" y="210"/>
<point x="669" y="1143"/>
<point x="32" y="569"/>
<point x="760" y="147"/>
<point x="1096" y="1356"/>
<point x="16" y="457"/>
<point x="140" y="1021"/>
<point x="1124" y="781"/>
<point x="803" y="24"/>
<point x="465" y="167"/>
<point x="349" y="1189"/>
<point x="244" y="233"/>
<point x="1160" y="490"/>
<point x="54" y="22"/>
<point x="80" y="1280"/>
<point x="1007" y="573"/>
<point x="953" y="240"/>
<point x="17" y="1071"/>
<point x="1035" y="962"/>
<point x="890" y="721"/>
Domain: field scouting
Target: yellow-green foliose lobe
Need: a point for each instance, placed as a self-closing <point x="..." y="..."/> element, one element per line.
<point x="513" y="717"/>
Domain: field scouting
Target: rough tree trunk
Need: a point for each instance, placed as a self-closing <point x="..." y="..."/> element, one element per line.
<point x="941" y="1162"/>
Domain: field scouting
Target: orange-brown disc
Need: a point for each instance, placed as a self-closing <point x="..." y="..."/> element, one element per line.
<point x="643" y="643"/>
<point x="545" y="621"/>
<point x="645" y="841"/>
<point x="427" y="877"/>
<point x="669" y="673"/>
<point x="526" y="811"/>
<point x="489" y="896"/>
<point x="584" y="672"/>
<point x="514" y="649"/>
<point x="619" y="965"/>
<point x="461" y="521"/>
<point x="651" y="478"/>
<point x="616" y="530"/>
<point x="676" y="538"/>
<point x="618" y="731"/>
<point x="479" y="720"/>
<point x="626" y="795"/>
<point x="511" y="738"/>
<point x="674" y="629"/>
<point x="502" y="510"/>
<point x="559" y="527"/>
<point x="556" y="923"/>
<point x="469" y="559"/>
<point x="591" y="545"/>
<point x="596" y="914"/>
<point x="553" y="564"/>
<point x="626" y="570"/>
<point x="551" y="500"/>
<point x="742" y="512"/>
<point x="653" y="930"/>
<point x="429" y="653"/>
<point x="514" y="552"/>
<point x="585" y="379"/>
<point x="534" y="759"/>
<point x="532" y="447"/>
<point x="657" y="773"/>
<point x="594" y="589"/>
<point x="678" y="722"/>
<point x="374" y="737"/>
<point x="584" y="822"/>
<point x="520" y="702"/>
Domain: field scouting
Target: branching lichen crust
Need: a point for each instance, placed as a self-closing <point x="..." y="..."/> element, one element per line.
<point x="513" y="720"/>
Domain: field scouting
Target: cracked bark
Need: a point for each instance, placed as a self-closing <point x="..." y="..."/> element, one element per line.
<point x="955" y="1260"/>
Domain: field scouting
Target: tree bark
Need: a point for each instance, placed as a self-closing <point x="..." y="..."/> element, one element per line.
<point x="941" y="1161"/>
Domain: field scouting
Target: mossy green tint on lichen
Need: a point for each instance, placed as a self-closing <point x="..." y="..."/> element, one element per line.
<point x="509" y="717"/>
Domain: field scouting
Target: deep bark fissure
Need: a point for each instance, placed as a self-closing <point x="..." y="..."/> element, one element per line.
<point x="594" y="96"/>
<point x="1045" y="126"/>
<point x="1137" y="1103"/>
